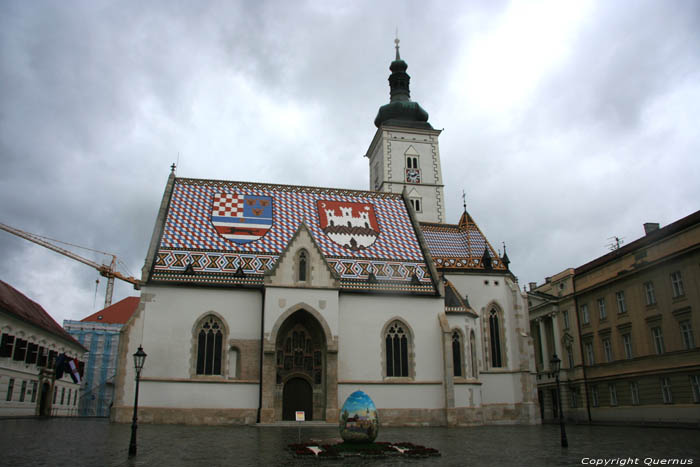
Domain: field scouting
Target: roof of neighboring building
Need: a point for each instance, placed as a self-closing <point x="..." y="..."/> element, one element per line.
<point x="17" y="304"/>
<point x="116" y="313"/>
<point x="649" y="238"/>
<point x="462" y="246"/>
<point x="231" y="233"/>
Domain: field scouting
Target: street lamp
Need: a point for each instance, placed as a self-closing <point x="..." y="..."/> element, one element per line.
<point x="555" y="363"/>
<point x="139" y="359"/>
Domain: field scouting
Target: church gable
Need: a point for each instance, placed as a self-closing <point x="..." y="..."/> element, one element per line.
<point x="232" y="233"/>
<point x="302" y="265"/>
<point x="461" y="247"/>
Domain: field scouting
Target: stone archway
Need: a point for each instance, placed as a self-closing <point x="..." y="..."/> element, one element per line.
<point x="300" y="367"/>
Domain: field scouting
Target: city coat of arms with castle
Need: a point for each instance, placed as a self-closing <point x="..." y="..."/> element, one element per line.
<point x="351" y="225"/>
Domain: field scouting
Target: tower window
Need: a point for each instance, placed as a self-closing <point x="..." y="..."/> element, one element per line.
<point x="416" y="204"/>
<point x="303" y="266"/>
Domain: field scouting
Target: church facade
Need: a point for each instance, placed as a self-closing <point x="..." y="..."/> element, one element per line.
<point x="261" y="300"/>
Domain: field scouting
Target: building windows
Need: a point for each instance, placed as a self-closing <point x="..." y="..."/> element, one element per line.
<point x="687" y="335"/>
<point x="649" y="293"/>
<point x="303" y="266"/>
<point x="634" y="392"/>
<point x="570" y="355"/>
<point x="10" y="388"/>
<point x="23" y="391"/>
<point x="594" y="396"/>
<point x="677" y="284"/>
<point x="210" y="339"/>
<point x="457" y="353"/>
<point x="695" y="387"/>
<point x="416" y="204"/>
<point x="621" y="305"/>
<point x="32" y="353"/>
<point x="75" y="398"/>
<point x="658" y="339"/>
<point x="34" y="388"/>
<point x="495" y="335"/>
<point x="565" y="318"/>
<point x="585" y="315"/>
<point x="666" y="390"/>
<point x="472" y="352"/>
<point x="20" y="352"/>
<point x="627" y="344"/>
<point x="63" y="395"/>
<point x="411" y="162"/>
<point x="574" y="397"/>
<point x="396" y="341"/>
<point x="590" y="357"/>
<point x="607" y="349"/>
<point x="6" y="345"/>
<point x="601" y="309"/>
<point x="613" y="394"/>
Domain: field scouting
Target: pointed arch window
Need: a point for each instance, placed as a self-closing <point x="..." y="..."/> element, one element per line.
<point x="210" y="340"/>
<point x="472" y="352"/>
<point x="457" y="353"/>
<point x="495" y="334"/>
<point x="303" y="266"/>
<point x="397" y="342"/>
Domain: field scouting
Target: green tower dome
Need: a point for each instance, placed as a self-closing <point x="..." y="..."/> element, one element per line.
<point x="401" y="111"/>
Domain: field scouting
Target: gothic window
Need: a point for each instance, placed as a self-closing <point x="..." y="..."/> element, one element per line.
<point x="457" y="353"/>
<point x="210" y="341"/>
<point x="415" y="204"/>
<point x="472" y="351"/>
<point x="495" y="335"/>
<point x="397" y="344"/>
<point x="303" y="266"/>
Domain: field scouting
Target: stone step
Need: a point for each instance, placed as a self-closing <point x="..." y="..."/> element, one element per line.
<point x="293" y="424"/>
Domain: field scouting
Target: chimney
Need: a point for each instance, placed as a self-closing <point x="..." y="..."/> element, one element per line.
<point x="650" y="227"/>
<point x="533" y="286"/>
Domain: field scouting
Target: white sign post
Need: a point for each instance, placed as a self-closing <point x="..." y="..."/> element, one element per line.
<point x="300" y="418"/>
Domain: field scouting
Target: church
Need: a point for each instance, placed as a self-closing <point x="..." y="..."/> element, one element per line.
<point x="260" y="300"/>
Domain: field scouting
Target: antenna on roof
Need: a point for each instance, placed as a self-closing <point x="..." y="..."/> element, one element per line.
<point x="616" y="243"/>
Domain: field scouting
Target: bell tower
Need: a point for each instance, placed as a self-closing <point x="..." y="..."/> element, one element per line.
<point x="404" y="153"/>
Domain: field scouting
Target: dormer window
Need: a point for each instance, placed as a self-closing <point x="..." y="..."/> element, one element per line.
<point x="416" y="204"/>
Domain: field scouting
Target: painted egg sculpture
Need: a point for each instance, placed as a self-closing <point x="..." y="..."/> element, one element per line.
<point x="359" y="422"/>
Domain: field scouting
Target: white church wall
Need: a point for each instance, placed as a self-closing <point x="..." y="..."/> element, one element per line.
<point x="398" y="396"/>
<point x="172" y="313"/>
<point x="467" y="394"/>
<point x="360" y="352"/>
<point x="500" y="388"/>
<point x="198" y="395"/>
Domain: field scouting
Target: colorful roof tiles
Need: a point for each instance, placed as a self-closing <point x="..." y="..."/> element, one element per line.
<point x="220" y="232"/>
<point x="461" y="246"/>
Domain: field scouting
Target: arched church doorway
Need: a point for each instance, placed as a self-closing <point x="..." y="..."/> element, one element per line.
<point x="297" y="395"/>
<point x="300" y="357"/>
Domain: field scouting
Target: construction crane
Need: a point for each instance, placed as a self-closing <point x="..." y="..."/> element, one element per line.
<point x="108" y="271"/>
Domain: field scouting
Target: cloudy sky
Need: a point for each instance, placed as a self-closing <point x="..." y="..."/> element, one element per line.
<point x="566" y="123"/>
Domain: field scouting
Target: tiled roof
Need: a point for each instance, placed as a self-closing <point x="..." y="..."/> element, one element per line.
<point x="220" y="232"/>
<point x="459" y="246"/>
<point x="16" y="303"/>
<point x="116" y="313"/>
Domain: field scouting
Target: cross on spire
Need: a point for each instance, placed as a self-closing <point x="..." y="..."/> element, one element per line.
<point x="396" y="41"/>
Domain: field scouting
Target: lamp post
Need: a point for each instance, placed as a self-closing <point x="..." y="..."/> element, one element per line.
<point x="139" y="359"/>
<point x="555" y="363"/>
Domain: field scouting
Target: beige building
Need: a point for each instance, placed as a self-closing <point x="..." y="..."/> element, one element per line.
<point x="31" y="343"/>
<point x="629" y="352"/>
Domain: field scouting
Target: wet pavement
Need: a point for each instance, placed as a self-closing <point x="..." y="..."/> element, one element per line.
<point x="96" y="442"/>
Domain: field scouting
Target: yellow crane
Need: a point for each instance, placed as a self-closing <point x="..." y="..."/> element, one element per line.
<point x="106" y="270"/>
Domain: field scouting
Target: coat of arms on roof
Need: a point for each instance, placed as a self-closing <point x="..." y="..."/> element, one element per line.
<point x="349" y="224"/>
<point x="241" y="218"/>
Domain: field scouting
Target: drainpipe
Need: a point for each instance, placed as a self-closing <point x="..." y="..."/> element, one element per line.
<point x="262" y="352"/>
<point x="580" y="345"/>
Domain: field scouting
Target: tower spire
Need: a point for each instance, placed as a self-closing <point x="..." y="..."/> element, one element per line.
<point x="396" y="41"/>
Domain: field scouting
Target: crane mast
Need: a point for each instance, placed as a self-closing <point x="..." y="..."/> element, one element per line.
<point x="108" y="271"/>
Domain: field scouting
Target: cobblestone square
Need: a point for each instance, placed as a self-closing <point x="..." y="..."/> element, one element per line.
<point x="96" y="442"/>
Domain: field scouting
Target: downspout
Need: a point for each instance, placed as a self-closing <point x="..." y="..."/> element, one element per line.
<point x="262" y="354"/>
<point x="580" y="345"/>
